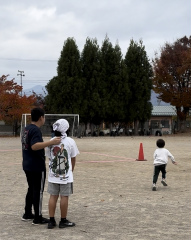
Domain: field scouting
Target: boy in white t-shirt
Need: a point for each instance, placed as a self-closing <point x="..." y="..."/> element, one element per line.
<point x="62" y="160"/>
<point x="161" y="156"/>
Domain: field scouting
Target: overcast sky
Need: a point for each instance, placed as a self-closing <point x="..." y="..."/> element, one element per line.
<point x="32" y="33"/>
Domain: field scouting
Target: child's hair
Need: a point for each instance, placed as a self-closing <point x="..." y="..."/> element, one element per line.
<point x="57" y="133"/>
<point x="36" y="113"/>
<point x="160" y="143"/>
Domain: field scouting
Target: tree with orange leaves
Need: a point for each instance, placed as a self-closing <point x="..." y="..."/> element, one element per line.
<point x="172" y="76"/>
<point x="12" y="104"/>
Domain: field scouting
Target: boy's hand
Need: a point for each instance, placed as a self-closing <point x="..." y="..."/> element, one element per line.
<point x="56" y="140"/>
<point x="175" y="163"/>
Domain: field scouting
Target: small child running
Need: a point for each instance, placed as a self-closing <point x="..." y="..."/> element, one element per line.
<point x="161" y="156"/>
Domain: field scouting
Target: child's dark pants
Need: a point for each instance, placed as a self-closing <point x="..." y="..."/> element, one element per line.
<point x="157" y="170"/>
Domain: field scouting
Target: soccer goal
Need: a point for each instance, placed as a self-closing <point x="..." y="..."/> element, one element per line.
<point x="46" y="129"/>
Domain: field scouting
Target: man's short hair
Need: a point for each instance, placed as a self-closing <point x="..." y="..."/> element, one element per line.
<point x="36" y="113"/>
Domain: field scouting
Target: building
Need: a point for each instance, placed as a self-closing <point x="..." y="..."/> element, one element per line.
<point x="163" y="120"/>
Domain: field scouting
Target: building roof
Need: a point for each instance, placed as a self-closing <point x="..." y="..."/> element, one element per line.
<point x="164" y="111"/>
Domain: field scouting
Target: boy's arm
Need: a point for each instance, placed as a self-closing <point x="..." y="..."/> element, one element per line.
<point x="73" y="160"/>
<point x="41" y="145"/>
<point x="172" y="158"/>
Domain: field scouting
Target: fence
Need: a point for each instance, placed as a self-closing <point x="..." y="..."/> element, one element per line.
<point x="6" y="130"/>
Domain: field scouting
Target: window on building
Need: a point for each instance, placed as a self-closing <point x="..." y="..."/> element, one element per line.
<point x="155" y="123"/>
<point x="165" y="123"/>
<point x="159" y="124"/>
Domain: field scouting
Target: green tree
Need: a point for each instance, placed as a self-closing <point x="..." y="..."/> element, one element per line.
<point x="172" y="76"/>
<point x="140" y="75"/>
<point x="114" y="81"/>
<point x="65" y="89"/>
<point x="106" y="70"/>
<point x="92" y="105"/>
<point x="118" y="88"/>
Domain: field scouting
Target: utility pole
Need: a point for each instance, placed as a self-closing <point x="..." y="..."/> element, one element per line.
<point x="21" y="73"/>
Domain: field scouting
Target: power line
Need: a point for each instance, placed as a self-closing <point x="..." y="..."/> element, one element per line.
<point x="27" y="80"/>
<point x="32" y="60"/>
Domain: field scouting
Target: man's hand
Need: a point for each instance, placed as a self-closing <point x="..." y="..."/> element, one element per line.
<point x="56" y="141"/>
<point x="41" y="145"/>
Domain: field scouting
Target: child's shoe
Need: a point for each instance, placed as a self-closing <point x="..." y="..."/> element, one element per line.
<point x="154" y="187"/>
<point x="66" y="223"/>
<point x="164" y="182"/>
<point x="51" y="224"/>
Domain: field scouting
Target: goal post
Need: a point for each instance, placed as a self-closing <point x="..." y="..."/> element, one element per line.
<point x="46" y="129"/>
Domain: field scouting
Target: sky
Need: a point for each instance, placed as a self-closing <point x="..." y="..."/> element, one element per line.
<point x="32" y="33"/>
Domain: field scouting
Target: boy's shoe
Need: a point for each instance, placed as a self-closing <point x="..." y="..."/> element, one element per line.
<point x="27" y="217"/>
<point x="66" y="223"/>
<point x="51" y="225"/>
<point x="154" y="187"/>
<point x="164" y="183"/>
<point x="41" y="220"/>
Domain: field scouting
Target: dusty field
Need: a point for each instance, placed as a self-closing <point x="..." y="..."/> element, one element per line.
<point x="112" y="192"/>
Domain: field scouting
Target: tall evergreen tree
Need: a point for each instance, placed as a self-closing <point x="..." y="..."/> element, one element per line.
<point x="115" y="91"/>
<point x="140" y="83"/>
<point x="65" y="90"/>
<point x="90" y="59"/>
<point x="106" y="70"/>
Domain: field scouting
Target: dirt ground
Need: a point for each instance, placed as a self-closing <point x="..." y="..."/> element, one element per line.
<point x="112" y="192"/>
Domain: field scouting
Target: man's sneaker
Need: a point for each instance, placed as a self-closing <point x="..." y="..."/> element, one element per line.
<point x="154" y="187"/>
<point x="51" y="225"/>
<point x="66" y="223"/>
<point x="41" y="220"/>
<point x="27" y="217"/>
<point x="164" y="183"/>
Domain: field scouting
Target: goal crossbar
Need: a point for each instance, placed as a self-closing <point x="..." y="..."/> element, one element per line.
<point x="73" y="120"/>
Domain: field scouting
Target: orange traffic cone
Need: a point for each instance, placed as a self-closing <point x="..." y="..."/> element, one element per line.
<point x="141" y="154"/>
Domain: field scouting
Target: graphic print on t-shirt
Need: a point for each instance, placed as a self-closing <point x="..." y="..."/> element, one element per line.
<point x="24" y="140"/>
<point x="59" y="162"/>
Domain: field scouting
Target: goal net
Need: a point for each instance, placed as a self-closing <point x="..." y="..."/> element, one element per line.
<point x="46" y="129"/>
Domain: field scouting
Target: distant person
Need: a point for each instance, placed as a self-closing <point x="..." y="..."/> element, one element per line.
<point x="62" y="159"/>
<point x="130" y="132"/>
<point x="161" y="156"/>
<point x="34" y="166"/>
